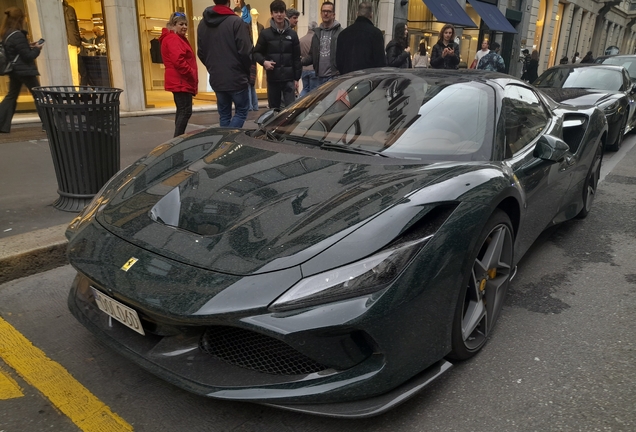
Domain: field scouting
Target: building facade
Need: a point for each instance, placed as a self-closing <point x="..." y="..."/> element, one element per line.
<point x="114" y="42"/>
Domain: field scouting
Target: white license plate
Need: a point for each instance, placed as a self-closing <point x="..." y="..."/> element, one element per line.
<point x="120" y="312"/>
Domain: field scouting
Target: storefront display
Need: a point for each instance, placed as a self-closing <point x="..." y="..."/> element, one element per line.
<point x="87" y="48"/>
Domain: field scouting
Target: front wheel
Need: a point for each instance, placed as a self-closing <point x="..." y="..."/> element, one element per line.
<point x="482" y="296"/>
<point x="619" y="139"/>
<point x="591" y="184"/>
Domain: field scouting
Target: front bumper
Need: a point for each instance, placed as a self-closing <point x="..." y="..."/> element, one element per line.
<point x="180" y="360"/>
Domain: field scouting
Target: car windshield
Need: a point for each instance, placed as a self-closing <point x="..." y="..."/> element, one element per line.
<point x="597" y="78"/>
<point x="397" y="115"/>
<point x="629" y="63"/>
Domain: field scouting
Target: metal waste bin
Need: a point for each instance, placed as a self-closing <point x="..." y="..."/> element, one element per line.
<point x="82" y="125"/>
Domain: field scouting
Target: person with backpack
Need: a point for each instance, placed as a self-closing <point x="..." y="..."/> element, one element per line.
<point x="20" y="59"/>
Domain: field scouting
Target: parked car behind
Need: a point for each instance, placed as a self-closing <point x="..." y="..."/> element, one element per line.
<point x="606" y="86"/>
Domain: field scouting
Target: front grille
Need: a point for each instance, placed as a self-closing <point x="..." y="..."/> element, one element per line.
<point x="255" y="351"/>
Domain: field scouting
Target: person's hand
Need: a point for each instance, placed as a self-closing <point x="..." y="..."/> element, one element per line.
<point x="445" y="52"/>
<point x="407" y="49"/>
<point x="269" y="64"/>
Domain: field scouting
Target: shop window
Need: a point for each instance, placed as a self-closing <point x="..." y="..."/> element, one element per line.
<point x="86" y="38"/>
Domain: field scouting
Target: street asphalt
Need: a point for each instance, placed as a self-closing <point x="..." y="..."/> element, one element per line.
<point x="31" y="229"/>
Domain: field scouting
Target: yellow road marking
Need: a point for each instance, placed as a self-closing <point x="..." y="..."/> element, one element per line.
<point x="51" y="379"/>
<point x="9" y="389"/>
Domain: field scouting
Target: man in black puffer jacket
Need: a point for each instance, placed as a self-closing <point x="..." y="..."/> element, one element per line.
<point x="278" y="50"/>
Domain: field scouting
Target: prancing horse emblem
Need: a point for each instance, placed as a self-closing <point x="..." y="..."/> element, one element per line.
<point x="131" y="262"/>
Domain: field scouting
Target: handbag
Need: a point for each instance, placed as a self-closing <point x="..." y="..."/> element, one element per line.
<point x="6" y="66"/>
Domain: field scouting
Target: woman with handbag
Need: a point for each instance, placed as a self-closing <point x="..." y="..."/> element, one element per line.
<point x="21" y="66"/>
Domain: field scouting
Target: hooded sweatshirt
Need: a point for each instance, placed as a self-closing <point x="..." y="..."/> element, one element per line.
<point x="181" y="65"/>
<point x="282" y="47"/>
<point x="225" y="48"/>
<point x="323" y="50"/>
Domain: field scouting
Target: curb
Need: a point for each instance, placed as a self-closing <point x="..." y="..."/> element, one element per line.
<point x="34" y="252"/>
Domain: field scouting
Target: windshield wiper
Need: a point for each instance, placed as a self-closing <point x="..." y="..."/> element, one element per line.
<point x="348" y="149"/>
<point x="328" y="145"/>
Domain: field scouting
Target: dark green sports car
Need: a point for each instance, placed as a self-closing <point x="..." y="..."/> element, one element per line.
<point x="342" y="256"/>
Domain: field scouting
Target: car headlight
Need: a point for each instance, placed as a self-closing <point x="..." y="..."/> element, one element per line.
<point x="366" y="276"/>
<point x="610" y="108"/>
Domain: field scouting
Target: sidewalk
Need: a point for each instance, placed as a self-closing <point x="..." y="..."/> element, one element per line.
<point x="31" y="229"/>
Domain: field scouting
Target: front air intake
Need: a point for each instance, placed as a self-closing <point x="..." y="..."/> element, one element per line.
<point x="257" y="352"/>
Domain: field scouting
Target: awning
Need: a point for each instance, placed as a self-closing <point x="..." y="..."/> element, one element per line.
<point x="494" y="19"/>
<point x="449" y="11"/>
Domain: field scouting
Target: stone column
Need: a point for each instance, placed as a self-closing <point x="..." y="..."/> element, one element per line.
<point x="46" y="20"/>
<point x="385" y="18"/>
<point x="591" y="28"/>
<point x="122" y="33"/>
<point x="619" y="39"/>
<point x="566" y="32"/>
<point x="575" y="31"/>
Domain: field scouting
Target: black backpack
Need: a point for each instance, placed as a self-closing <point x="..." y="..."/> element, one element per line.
<point x="6" y="65"/>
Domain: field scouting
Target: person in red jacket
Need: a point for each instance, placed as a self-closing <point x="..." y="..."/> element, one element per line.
<point x="181" y="76"/>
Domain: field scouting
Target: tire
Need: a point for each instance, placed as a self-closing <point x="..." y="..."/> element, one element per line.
<point x="591" y="183"/>
<point x="482" y="295"/>
<point x="616" y="145"/>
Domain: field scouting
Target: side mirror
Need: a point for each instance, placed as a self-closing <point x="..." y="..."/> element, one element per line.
<point x="266" y="116"/>
<point x="551" y="148"/>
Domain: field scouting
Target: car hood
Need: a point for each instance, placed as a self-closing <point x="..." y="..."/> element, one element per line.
<point x="579" y="97"/>
<point x="236" y="205"/>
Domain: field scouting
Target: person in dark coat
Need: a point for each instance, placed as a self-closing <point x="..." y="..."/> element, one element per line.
<point x="278" y="51"/>
<point x="445" y="53"/>
<point x="588" y="58"/>
<point x="181" y="75"/>
<point x="398" y="52"/>
<point x="533" y="67"/>
<point x="361" y="44"/>
<point x="225" y="48"/>
<point x="24" y="71"/>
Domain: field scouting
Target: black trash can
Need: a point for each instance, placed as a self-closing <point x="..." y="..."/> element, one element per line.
<point x="82" y="125"/>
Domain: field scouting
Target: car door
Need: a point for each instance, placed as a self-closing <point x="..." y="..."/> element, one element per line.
<point x="631" y="98"/>
<point x="524" y="119"/>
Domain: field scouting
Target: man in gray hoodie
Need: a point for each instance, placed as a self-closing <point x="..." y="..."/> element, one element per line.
<point x="225" y="48"/>
<point x="322" y="53"/>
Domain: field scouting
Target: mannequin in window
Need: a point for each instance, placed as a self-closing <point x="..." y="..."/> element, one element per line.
<point x="74" y="39"/>
<point x="256" y="30"/>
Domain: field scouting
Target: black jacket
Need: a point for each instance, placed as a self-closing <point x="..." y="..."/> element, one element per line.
<point x="532" y="73"/>
<point x="225" y="48"/>
<point x="448" y="62"/>
<point x="18" y="44"/>
<point x="281" y="47"/>
<point x="396" y="56"/>
<point x="360" y="46"/>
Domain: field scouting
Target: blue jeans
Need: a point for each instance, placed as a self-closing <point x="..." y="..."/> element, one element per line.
<point x="241" y="101"/>
<point x="306" y="78"/>
<point x="253" y="99"/>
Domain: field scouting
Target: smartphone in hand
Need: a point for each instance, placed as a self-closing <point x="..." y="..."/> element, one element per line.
<point x="40" y="42"/>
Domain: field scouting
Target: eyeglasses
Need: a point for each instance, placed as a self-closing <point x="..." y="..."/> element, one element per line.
<point x="179" y="14"/>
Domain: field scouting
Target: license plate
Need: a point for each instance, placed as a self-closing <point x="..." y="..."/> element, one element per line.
<point x="120" y="312"/>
